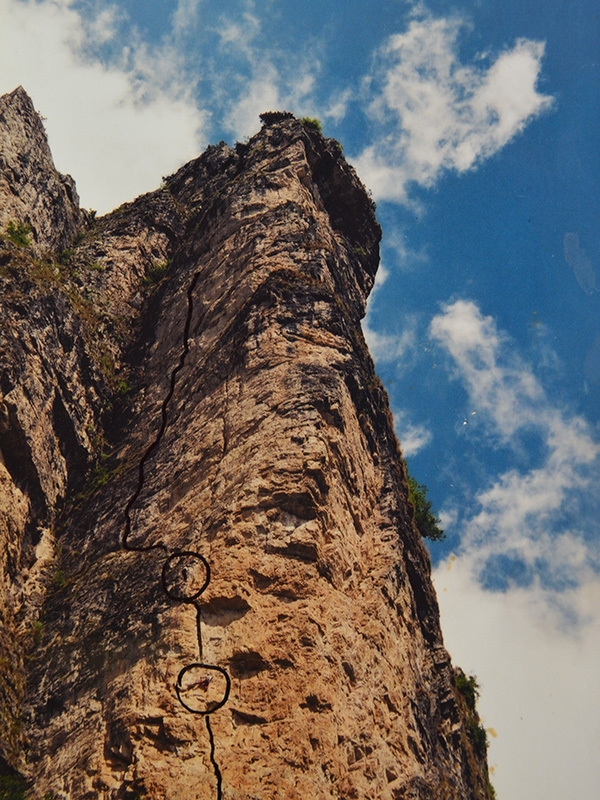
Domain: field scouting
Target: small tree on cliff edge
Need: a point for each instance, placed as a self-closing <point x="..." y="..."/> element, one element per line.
<point x="427" y="523"/>
<point x="273" y="117"/>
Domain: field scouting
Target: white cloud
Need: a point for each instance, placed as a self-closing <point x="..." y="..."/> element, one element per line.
<point x="497" y="380"/>
<point x="577" y="258"/>
<point x="116" y="127"/>
<point x="539" y="680"/>
<point x="413" y="437"/>
<point x="381" y="277"/>
<point x="338" y="105"/>
<point x="241" y="34"/>
<point x="534" y="642"/>
<point x="101" y="27"/>
<point x="399" y="347"/>
<point x="406" y="258"/>
<point x="388" y="347"/>
<point x="435" y="113"/>
<point x="118" y="122"/>
<point x="385" y="347"/>
<point x="262" y="92"/>
<point x="263" y="79"/>
<point x="185" y="17"/>
<point x="522" y="516"/>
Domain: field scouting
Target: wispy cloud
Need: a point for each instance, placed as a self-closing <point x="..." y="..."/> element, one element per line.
<point x="265" y="90"/>
<point x="413" y="437"/>
<point x="577" y="258"/>
<point x="399" y="347"/>
<point x="391" y="347"/>
<point x="500" y="385"/>
<point x="185" y="17"/>
<point x="397" y="251"/>
<point x="261" y="77"/>
<point x="521" y="532"/>
<point x="433" y="113"/>
<point x="337" y="107"/>
<point x="117" y="124"/>
<point x="520" y="596"/>
<point x="105" y="93"/>
<point x="240" y="33"/>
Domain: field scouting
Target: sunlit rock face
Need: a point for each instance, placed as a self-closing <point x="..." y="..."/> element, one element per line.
<point x="212" y="582"/>
<point x="31" y="190"/>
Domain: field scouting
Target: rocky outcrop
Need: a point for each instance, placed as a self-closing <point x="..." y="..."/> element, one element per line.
<point x="32" y="192"/>
<point x="214" y="587"/>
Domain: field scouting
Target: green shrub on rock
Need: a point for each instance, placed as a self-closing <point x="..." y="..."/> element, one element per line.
<point x="273" y="117"/>
<point x="427" y="523"/>
<point x="18" y="233"/>
<point x="12" y="787"/>
<point x="314" y="123"/>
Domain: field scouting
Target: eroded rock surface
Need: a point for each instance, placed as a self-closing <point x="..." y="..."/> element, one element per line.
<point x="203" y="504"/>
<point x="32" y="192"/>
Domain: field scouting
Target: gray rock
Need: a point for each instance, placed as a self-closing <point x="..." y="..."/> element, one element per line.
<point x="32" y="192"/>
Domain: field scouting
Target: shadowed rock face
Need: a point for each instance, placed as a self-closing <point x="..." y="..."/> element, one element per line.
<point x="213" y="586"/>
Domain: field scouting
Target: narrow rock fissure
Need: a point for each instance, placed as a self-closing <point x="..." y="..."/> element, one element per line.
<point x="212" y="757"/>
<point x="198" y="675"/>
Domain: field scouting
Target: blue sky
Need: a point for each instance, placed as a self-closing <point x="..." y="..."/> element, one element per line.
<point x="474" y="125"/>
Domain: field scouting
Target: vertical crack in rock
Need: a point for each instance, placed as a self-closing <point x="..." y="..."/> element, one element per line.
<point x="163" y="424"/>
<point x="187" y="378"/>
<point x="213" y="760"/>
<point x="188" y="557"/>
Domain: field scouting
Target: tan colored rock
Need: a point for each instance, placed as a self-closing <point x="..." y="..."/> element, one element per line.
<point x="252" y="552"/>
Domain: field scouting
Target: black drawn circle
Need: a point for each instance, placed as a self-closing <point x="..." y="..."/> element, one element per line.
<point x="185" y="575"/>
<point x="201" y="694"/>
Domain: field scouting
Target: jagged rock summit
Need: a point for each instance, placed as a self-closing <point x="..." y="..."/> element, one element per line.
<point x="31" y="190"/>
<point x="212" y="584"/>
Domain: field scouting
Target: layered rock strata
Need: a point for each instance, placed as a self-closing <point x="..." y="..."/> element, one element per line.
<point x="213" y="585"/>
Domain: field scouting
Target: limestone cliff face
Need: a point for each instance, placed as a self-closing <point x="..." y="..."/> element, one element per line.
<point x="212" y="585"/>
<point x="31" y="190"/>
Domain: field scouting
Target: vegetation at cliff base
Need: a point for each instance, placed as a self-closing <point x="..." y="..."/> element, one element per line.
<point x="427" y="523"/>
